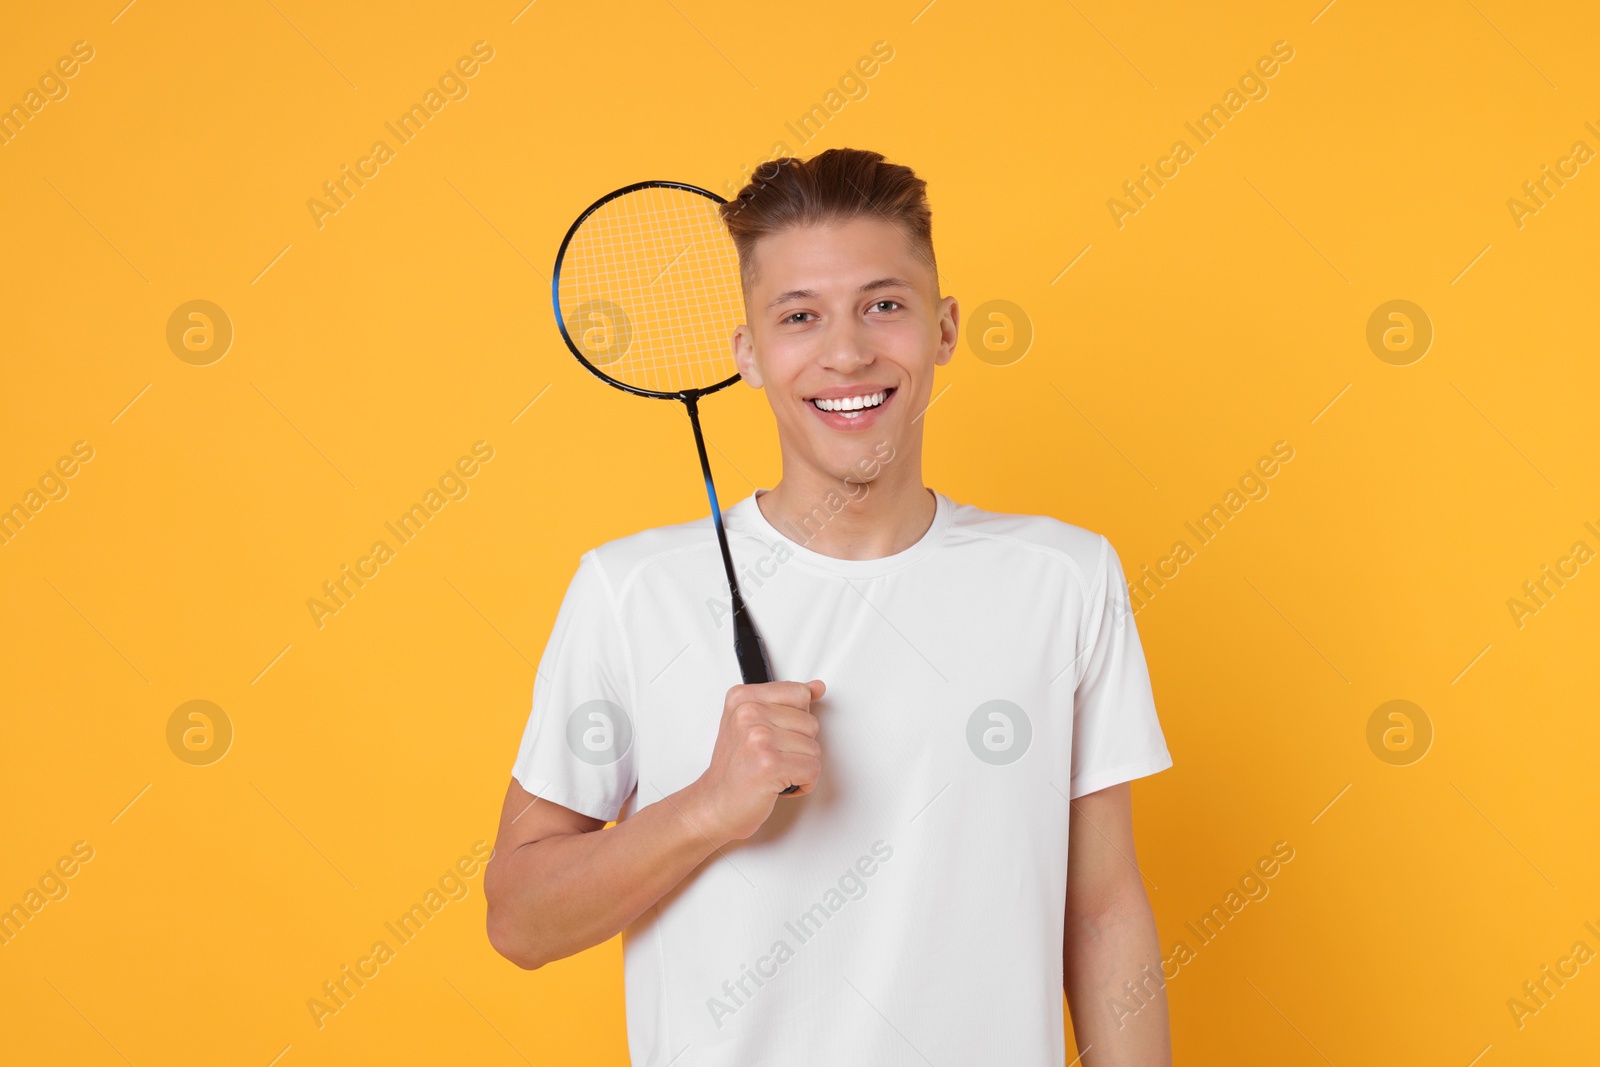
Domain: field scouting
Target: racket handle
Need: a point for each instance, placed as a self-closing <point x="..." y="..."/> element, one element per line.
<point x="754" y="666"/>
<point x="752" y="652"/>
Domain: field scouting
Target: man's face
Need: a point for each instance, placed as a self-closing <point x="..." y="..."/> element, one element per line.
<point x="839" y="311"/>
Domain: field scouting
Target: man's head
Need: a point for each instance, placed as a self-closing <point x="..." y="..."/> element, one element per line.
<point x="841" y="297"/>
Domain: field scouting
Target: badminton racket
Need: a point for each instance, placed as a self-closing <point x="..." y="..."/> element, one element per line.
<point x="646" y="293"/>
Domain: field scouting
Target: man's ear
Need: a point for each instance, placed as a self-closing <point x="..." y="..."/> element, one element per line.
<point x="744" y="356"/>
<point x="949" y="330"/>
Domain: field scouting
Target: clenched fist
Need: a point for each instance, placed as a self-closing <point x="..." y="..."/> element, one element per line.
<point x="766" y="742"/>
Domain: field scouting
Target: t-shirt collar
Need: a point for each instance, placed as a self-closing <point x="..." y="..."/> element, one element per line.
<point x="746" y="516"/>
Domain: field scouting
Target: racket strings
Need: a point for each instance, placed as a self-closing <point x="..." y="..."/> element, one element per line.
<point x="650" y="293"/>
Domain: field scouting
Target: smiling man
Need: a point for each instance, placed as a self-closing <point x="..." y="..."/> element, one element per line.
<point x="964" y="700"/>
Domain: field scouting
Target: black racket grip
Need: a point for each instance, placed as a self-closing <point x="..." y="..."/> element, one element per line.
<point x="752" y="652"/>
<point x="754" y="666"/>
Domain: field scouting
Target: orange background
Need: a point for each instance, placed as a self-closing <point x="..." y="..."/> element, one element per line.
<point x="371" y="352"/>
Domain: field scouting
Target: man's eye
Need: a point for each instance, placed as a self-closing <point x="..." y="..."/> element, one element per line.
<point x="879" y="303"/>
<point x="791" y="316"/>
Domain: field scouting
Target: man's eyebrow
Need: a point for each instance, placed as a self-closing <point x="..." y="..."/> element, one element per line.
<point x="792" y="294"/>
<point x="812" y="294"/>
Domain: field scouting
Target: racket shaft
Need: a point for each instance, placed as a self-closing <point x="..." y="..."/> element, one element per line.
<point x="751" y="651"/>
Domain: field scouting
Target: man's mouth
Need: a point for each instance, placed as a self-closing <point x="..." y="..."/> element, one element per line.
<point x="853" y="407"/>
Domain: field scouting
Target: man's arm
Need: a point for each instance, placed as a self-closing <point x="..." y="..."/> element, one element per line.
<point x="1110" y="938"/>
<point x="556" y="886"/>
<point x="558" y="883"/>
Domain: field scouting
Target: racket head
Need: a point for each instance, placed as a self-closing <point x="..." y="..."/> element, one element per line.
<point x="646" y="291"/>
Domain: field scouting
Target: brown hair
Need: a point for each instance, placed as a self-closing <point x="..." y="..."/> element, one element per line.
<point x="833" y="186"/>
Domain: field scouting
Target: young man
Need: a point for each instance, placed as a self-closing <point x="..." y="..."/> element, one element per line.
<point x="952" y="676"/>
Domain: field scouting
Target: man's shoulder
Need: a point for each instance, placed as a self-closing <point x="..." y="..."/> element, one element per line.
<point x="623" y="558"/>
<point x="1081" y="548"/>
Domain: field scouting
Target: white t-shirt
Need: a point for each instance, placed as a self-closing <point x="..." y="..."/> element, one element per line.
<point x="910" y="910"/>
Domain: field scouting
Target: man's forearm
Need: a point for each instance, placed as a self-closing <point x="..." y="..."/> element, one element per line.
<point x="558" y="896"/>
<point x="1103" y="950"/>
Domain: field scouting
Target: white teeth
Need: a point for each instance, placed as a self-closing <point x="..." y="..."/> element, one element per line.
<point x="852" y="403"/>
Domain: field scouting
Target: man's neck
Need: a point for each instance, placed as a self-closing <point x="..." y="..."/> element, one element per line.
<point x="847" y="520"/>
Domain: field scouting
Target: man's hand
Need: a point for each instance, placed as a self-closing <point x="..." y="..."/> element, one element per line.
<point x="765" y="743"/>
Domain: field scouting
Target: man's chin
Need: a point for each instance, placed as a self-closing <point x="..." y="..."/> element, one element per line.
<point x="861" y="468"/>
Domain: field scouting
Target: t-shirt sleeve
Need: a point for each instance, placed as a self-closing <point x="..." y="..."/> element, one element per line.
<point x="577" y="749"/>
<point x="1116" y="735"/>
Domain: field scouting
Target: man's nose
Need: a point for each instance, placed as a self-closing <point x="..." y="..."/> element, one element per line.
<point x="843" y="347"/>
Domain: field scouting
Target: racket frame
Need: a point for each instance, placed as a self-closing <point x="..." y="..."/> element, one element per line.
<point x="751" y="652"/>
<point x="561" y="322"/>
